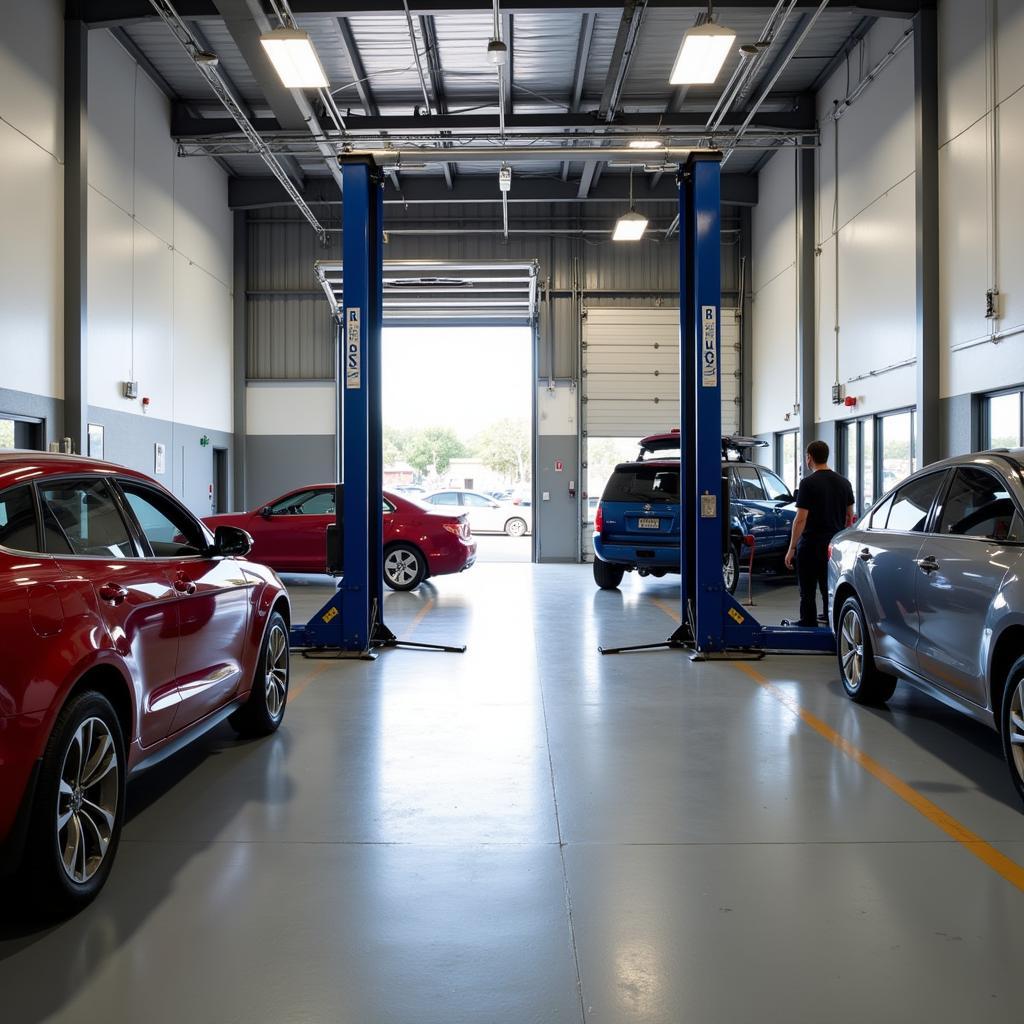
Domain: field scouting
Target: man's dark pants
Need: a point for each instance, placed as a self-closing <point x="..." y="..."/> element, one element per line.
<point x="812" y="576"/>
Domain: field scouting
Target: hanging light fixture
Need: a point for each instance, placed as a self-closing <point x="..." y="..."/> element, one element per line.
<point x="295" y="60"/>
<point x="630" y="227"/>
<point x="702" y="53"/>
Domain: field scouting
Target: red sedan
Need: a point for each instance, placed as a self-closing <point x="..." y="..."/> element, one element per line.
<point x="128" y="630"/>
<point x="290" y="535"/>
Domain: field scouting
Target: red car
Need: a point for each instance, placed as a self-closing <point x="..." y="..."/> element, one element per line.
<point x="290" y="535"/>
<point x="128" y="630"/>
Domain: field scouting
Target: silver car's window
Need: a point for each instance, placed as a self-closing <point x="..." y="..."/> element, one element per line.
<point x="878" y="515"/>
<point x="978" y="505"/>
<point x="475" y="500"/>
<point x="170" y="530"/>
<point x="445" y="498"/>
<point x="84" y="520"/>
<point x="912" y="502"/>
<point x="18" y="519"/>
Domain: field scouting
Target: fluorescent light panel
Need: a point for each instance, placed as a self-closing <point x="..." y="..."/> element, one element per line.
<point x="630" y="227"/>
<point x="297" y="65"/>
<point x="702" y="54"/>
<point x="645" y="144"/>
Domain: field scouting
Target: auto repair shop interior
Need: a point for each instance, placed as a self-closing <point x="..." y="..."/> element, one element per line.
<point x="314" y="712"/>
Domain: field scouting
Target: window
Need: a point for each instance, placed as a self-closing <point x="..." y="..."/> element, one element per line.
<point x="643" y="483"/>
<point x="169" y="529"/>
<point x="911" y="504"/>
<point x="20" y="432"/>
<point x="444" y="498"/>
<point x="305" y="503"/>
<point x="897" y="433"/>
<point x="18" y="520"/>
<point x="879" y="514"/>
<point x="475" y="501"/>
<point x="1004" y="425"/>
<point x="979" y="505"/>
<point x="84" y="520"/>
<point x="776" y="489"/>
<point x="749" y="486"/>
<point x="787" y="458"/>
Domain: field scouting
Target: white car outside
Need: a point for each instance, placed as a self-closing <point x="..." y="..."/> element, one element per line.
<point x="485" y="514"/>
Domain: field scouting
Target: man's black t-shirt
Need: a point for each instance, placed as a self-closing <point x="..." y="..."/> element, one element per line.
<point x="826" y="496"/>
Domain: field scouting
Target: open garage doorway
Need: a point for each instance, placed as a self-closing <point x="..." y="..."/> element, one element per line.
<point x="459" y="364"/>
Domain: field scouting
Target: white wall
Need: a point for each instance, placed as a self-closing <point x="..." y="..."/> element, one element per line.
<point x="160" y="259"/>
<point x="774" y="298"/>
<point x="296" y="408"/>
<point x="981" y="165"/>
<point x="31" y="199"/>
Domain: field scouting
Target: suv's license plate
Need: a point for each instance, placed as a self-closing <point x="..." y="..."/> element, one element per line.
<point x="649" y="524"/>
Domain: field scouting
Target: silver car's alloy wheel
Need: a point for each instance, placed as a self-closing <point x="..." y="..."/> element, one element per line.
<point x="87" y="800"/>
<point x="515" y="527"/>
<point x="401" y="567"/>
<point x="851" y="649"/>
<point x="276" y="680"/>
<point x="1016" y="725"/>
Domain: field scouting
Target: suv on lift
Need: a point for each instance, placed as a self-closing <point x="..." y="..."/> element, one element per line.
<point x="636" y="525"/>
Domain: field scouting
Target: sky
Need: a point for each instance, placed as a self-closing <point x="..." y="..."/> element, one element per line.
<point x="464" y="378"/>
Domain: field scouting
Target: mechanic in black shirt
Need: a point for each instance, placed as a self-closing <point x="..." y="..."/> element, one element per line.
<point x="824" y="507"/>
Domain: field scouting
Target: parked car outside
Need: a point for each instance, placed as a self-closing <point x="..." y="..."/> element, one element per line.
<point x="929" y="587"/>
<point x="128" y="630"/>
<point x="485" y="514"/>
<point x="290" y="535"/>
<point x="636" y="523"/>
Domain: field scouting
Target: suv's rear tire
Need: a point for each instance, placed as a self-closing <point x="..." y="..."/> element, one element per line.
<point x="1011" y="724"/>
<point x="862" y="680"/>
<point x="731" y="568"/>
<point x="78" y="808"/>
<point x="606" y="575"/>
<point x="262" y="713"/>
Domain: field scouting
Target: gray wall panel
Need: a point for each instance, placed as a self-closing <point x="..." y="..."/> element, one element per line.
<point x="274" y="464"/>
<point x="958" y="426"/>
<point x="556" y="518"/>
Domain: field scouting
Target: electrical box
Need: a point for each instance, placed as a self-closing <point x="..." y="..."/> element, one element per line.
<point x="992" y="304"/>
<point x="505" y="179"/>
<point x="131" y="389"/>
<point x="838" y="394"/>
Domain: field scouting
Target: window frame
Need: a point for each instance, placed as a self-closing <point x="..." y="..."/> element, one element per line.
<point x="986" y="414"/>
<point x="872" y="424"/>
<point x="780" y="440"/>
<point x="129" y="521"/>
<point x="38" y="512"/>
<point x="140" y="535"/>
<point x="763" y="470"/>
<point x="937" y="500"/>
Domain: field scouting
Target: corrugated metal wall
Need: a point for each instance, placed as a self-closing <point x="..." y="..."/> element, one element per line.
<point x="289" y="329"/>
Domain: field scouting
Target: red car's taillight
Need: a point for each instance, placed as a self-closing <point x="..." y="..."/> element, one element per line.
<point x="454" y="528"/>
<point x="599" y="519"/>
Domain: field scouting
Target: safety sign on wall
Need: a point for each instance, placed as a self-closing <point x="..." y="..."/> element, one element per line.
<point x="353" y="345"/>
<point x="709" y="346"/>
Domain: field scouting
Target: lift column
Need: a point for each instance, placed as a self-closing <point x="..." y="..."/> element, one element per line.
<point x="359" y="400"/>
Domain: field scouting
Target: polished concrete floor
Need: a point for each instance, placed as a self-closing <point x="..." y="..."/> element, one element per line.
<point x="530" y="832"/>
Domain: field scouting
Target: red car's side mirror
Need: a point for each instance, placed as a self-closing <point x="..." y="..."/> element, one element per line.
<point x="266" y="511"/>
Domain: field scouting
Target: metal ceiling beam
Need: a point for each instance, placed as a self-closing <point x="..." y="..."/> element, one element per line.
<point x="107" y="13"/>
<point x="579" y="74"/>
<point x="262" y="192"/>
<point x="618" y="68"/>
<point x="800" y="120"/>
<point x="429" y="33"/>
<point x="246" y="21"/>
<point x="507" y="39"/>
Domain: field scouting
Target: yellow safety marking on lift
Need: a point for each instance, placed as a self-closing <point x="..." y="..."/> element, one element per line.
<point x="971" y="841"/>
<point x="330" y="615"/>
<point x="736" y="617"/>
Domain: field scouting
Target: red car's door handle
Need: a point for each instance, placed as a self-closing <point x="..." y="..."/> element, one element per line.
<point x="184" y="586"/>
<point x="113" y="592"/>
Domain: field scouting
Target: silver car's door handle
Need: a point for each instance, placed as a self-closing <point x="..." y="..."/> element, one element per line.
<point x="928" y="564"/>
<point x="865" y="555"/>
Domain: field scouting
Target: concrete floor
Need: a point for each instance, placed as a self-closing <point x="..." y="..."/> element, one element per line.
<point x="531" y="833"/>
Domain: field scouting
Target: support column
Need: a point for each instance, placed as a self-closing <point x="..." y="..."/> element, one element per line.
<point x="240" y="332"/>
<point x="926" y="117"/>
<point x="747" y="321"/>
<point x="806" y="314"/>
<point x="76" y="352"/>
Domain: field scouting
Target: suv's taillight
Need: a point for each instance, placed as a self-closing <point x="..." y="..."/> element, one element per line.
<point x="599" y="518"/>
<point x="830" y="551"/>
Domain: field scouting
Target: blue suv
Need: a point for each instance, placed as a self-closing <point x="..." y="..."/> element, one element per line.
<point x="636" y="526"/>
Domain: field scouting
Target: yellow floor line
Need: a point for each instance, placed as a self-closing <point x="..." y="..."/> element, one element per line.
<point x="973" y="843"/>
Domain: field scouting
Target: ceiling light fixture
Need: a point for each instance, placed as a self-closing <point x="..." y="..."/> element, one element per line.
<point x="645" y="144"/>
<point x="702" y="53"/>
<point x="295" y="60"/>
<point x="630" y="227"/>
<point x="497" y="52"/>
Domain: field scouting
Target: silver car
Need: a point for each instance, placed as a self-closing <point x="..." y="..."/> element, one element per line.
<point x="929" y="587"/>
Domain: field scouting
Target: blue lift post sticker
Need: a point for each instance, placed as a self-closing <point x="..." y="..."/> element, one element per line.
<point x="709" y="346"/>
<point x="353" y="345"/>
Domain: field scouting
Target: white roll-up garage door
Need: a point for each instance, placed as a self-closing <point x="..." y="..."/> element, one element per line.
<point x="631" y="371"/>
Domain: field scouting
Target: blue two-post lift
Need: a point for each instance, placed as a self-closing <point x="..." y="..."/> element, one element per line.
<point x="351" y="623"/>
<point x="713" y="623"/>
